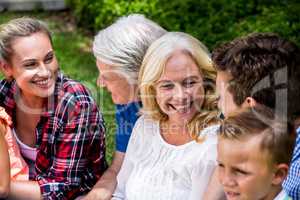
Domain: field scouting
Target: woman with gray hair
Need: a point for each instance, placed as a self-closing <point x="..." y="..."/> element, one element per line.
<point x="119" y="50"/>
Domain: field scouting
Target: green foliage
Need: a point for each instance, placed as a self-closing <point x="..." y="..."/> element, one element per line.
<point x="212" y="21"/>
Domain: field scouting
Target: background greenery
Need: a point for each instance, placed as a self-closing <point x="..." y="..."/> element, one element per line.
<point x="211" y="21"/>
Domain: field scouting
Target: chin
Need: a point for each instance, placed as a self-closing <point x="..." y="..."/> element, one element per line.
<point x="45" y="94"/>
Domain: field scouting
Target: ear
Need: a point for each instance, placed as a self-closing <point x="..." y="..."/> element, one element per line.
<point x="6" y="69"/>
<point x="249" y="103"/>
<point x="280" y="173"/>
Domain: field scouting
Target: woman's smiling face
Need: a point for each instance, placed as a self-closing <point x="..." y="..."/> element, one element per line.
<point x="179" y="90"/>
<point x="33" y="65"/>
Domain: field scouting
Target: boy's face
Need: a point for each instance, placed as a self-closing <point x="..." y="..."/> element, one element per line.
<point x="243" y="169"/>
<point x="225" y="100"/>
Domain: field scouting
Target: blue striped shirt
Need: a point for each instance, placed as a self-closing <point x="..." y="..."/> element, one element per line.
<point x="292" y="183"/>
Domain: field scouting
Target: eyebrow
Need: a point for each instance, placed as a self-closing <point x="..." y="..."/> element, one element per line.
<point x="33" y="60"/>
<point x="185" y="79"/>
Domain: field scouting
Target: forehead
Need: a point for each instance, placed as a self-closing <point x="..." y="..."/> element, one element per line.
<point x="223" y="76"/>
<point x="242" y="150"/>
<point x="179" y="66"/>
<point x="31" y="46"/>
<point x="102" y="66"/>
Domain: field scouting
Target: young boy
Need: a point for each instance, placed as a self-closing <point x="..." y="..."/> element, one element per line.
<point x="262" y="69"/>
<point x="252" y="165"/>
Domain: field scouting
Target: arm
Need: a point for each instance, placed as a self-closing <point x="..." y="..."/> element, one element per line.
<point x="28" y="189"/>
<point x="105" y="187"/>
<point x="4" y="164"/>
<point x="127" y="166"/>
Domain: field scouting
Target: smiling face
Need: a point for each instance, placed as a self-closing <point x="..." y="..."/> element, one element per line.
<point x="116" y="82"/>
<point x="244" y="170"/>
<point x="33" y="65"/>
<point x="179" y="90"/>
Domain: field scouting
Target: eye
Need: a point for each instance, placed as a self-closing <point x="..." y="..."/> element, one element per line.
<point x="241" y="172"/>
<point x="30" y="64"/>
<point x="49" y="58"/>
<point x="166" y="86"/>
<point x="220" y="165"/>
<point x="189" y="83"/>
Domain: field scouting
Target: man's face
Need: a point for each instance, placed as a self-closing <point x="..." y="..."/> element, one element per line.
<point x="225" y="100"/>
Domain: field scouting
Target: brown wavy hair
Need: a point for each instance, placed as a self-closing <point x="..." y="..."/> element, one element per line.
<point x="261" y="66"/>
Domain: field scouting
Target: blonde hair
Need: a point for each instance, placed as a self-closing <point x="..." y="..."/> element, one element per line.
<point x="124" y="43"/>
<point x="277" y="135"/>
<point x="153" y="66"/>
<point x="20" y="27"/>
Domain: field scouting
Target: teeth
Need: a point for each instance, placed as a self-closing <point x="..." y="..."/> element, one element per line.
<point x="44" y="82"/>
<point x="181" y="108"/>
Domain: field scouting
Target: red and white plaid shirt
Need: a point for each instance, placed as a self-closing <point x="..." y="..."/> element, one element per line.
<point x="70" y="139"/>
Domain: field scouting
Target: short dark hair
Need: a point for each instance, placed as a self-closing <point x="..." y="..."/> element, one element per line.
<point x="262" y="59"/>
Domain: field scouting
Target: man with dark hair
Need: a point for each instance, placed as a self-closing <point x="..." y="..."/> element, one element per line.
<point x="262" y="68"/>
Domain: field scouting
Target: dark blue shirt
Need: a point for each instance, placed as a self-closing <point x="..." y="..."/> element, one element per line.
<point x="126" y="116"/>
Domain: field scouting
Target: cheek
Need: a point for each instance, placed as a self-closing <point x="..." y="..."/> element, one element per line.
<point x="162" y="98"/>
<point x="250" y="187"/>
<point x="23" y="76"/>
<point x="220" y="173"/>
<point x="54" y="65"/>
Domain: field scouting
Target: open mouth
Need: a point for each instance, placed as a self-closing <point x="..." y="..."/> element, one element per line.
<point x="231" y="195"/>
<point x="44" y="83"/>
<point x="181" y="108"/>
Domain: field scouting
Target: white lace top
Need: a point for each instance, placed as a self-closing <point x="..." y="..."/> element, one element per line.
<point x="153" y="169"/>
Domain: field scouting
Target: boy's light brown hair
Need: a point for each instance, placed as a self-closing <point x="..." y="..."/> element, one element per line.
<point x="277" y="136"/>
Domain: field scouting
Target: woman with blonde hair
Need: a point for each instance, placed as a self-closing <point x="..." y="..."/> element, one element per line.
<point x="172" y="151"/>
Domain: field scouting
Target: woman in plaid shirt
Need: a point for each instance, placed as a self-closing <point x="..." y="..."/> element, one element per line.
<point x="56" y="122"/>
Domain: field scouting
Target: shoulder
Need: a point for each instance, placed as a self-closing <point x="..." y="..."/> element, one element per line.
<point x="146" y="123"/>
<point x="71" y="92"/>
<point x="209" y="142"/>
<point x="5" y="87"/>
<point x="145" y="128"/>
<point x="72" y="99"/>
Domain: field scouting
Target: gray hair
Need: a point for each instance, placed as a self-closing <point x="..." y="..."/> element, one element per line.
<point x="20" y="27"/>
<point x="124" y="43"/>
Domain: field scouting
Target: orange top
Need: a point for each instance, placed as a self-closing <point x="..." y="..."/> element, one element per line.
<point x="18" y="167"/>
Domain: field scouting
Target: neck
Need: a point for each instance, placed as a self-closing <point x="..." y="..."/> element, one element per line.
<point x="273" y="193"/>
<point x="30" y="105"/>
<point x="135" y="96"/>
<point x="175" y="127"/>
<point x="297" y="122"/>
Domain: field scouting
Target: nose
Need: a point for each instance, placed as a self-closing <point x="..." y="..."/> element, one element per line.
<point x="43" y="70"/>
<point x="180" y="93"/>
<point x="100" y="81"/>
<point x="227" y="180"/>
